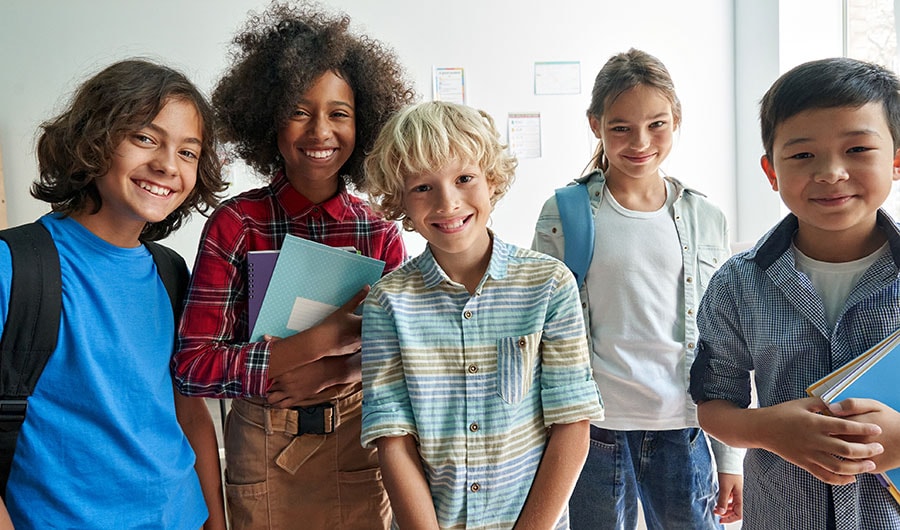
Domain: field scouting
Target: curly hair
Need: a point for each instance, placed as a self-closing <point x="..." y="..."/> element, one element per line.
<point x="279" y="55"/>
<point x="77" y="147"/>
<point x="430" y="135"/>
<point x="621" y="73"/>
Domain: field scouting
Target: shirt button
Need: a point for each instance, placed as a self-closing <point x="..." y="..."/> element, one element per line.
<point x="685" y="247"/>
<point x="473" y="427"/>
<point x="689" y="279"/>
<point x="521" y="343"/>
<point x="467" y="315"/>
<point x="553" y="229"/>
<point x="473" y="369"/>
<point x="690" y="311"/>
<point x="690" y="345"/>
<point x="584" y="305"/>
<point x="475" y="487"/>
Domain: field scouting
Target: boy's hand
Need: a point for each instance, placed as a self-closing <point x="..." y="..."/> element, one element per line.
<point x="799" y="432"/>
<point x="870" y="411"/>
<point x="730" y="504"/>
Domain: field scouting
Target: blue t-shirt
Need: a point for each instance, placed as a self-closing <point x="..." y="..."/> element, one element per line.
<point x="101" y="446"/>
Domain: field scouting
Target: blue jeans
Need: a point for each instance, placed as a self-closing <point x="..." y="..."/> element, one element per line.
<point x="670" y="472"/>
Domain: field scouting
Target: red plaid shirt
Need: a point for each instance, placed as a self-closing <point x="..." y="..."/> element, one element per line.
<point x="213" y="356"/>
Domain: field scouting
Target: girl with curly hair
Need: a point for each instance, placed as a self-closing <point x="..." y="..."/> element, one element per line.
<point x="302" y="102"/>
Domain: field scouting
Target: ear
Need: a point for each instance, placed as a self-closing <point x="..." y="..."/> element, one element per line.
<point x="596" y="126"/>
<point x="769" y="170"/>
<point x="896" y="172"/>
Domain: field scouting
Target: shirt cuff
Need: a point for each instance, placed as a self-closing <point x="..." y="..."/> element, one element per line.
<point x="728" y="459"/>
<point x="572" y="403"/>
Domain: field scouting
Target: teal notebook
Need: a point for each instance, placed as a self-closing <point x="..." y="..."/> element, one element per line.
<point x="872" y="375"/>
<point x="309" y="282"/>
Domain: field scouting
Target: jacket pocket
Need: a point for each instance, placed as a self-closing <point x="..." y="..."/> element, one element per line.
<point x="516" y="358"/>
<point x="709" y="259"/>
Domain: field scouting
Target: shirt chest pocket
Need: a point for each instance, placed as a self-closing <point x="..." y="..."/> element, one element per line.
<point x="516" y="364"/>
<point x="709" y="259"/>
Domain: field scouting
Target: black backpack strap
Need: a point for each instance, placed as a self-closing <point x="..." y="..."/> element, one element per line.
<point x="174" y="273"/>
<point x="30" y="331"/>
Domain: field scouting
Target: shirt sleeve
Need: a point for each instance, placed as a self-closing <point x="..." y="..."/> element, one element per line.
<point x="722" y="364"/>
<point x="6" y="273"/>
<point x="213" y="357"/>
<point x="548" y="236"/>
<point x="386" y="407"/>
<point x="568" y="390"/>
<point x="393" y="249"/>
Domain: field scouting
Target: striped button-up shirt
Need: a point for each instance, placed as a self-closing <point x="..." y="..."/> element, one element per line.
<point x="477" y="378"/>
<point x="213" y="356"/>
<point x="760" y="314"/>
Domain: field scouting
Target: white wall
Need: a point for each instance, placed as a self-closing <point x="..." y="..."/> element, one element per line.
<point x="47" y="47"/>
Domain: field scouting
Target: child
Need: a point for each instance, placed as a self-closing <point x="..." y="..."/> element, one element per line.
<point x="302" y="103"/>
<point x="476" y="381"/>
<point x="656" y="245"/>
<point x="819" y="289"/>
<point x="100" y="447"/>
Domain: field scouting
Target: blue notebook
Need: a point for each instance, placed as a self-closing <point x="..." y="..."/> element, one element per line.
<point x="309" y="282"/>
<point x="872" y="375"/>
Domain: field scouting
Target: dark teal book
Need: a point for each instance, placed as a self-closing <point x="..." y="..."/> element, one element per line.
<point x="309" y="282"/>
<point x="872" y="375"/>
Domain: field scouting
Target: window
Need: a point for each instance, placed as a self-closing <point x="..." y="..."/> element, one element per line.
<point x="871" y="35"/>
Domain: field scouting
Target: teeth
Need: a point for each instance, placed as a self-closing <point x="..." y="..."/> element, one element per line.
<point x="451" y="226"/>
<point x="320" y="154"/>
<point x="154" y="189"/>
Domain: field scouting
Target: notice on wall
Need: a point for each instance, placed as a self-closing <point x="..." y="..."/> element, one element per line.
<point x="449" y="85"/>
<point x="525" y="134"/>
<point x="557" y="77"/>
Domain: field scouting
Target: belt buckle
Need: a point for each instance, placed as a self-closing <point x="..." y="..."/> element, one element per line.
<point x="315" y="419"/>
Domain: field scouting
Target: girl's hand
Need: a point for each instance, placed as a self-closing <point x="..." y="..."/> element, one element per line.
<point x="875" y="412"/>
<point x="302" y="384"/>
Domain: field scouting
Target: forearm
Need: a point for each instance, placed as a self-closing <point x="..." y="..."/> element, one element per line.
<point x="405" y="483"/>
<point x="5" y="521"/>
<point x="556" y="476"/>
<point x="195" y="421"/>
<point x="308" y="346"/>
<point x="729" y="423"/>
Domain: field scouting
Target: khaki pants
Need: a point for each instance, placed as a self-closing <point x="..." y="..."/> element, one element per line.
<point x="274" y="480"/>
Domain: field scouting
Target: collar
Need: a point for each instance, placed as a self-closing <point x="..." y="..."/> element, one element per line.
<point x="296" y="204"/>
<point x="595" y="180"/>
<point x="498" y="267"/>
<point x="778" y="240"/>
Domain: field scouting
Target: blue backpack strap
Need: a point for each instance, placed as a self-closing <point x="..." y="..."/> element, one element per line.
<point x="574" y="204"/>
<point x="30" y="331"/>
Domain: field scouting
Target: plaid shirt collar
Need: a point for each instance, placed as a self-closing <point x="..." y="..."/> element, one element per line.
<point x="296" y="205"/>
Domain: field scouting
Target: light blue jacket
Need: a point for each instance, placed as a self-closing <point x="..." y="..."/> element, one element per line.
<point x="703" y="231"/>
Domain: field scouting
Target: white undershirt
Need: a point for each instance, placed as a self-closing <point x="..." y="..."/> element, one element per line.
<point x="637" y="326"/>
<point x="834" y="281"/>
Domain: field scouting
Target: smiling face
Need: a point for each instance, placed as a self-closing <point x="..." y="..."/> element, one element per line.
<point x="152" y="171"/>
<point x="833" y="168"/>
<point x="636" y="131"/>
<point x="450" y="207"/>
<point x="319" y="137"/>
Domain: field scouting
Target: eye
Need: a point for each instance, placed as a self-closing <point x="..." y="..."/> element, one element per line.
<point x="859" y="149"/>
<point x="192" y="155"/>
<point x="341" y="114"/>
<point x="619" y="128"/>
<point x="299" y="113"/>
<point x="142" y="138"/>
<point x="465" y="179"/>
<point x="801" y="156"/>
<point x="420" y="188"/>
<point x="657" y="124"/>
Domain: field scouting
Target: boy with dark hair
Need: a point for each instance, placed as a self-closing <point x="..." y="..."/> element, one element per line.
<point x="818" y="290"/>
<point x="106" y="442"/>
